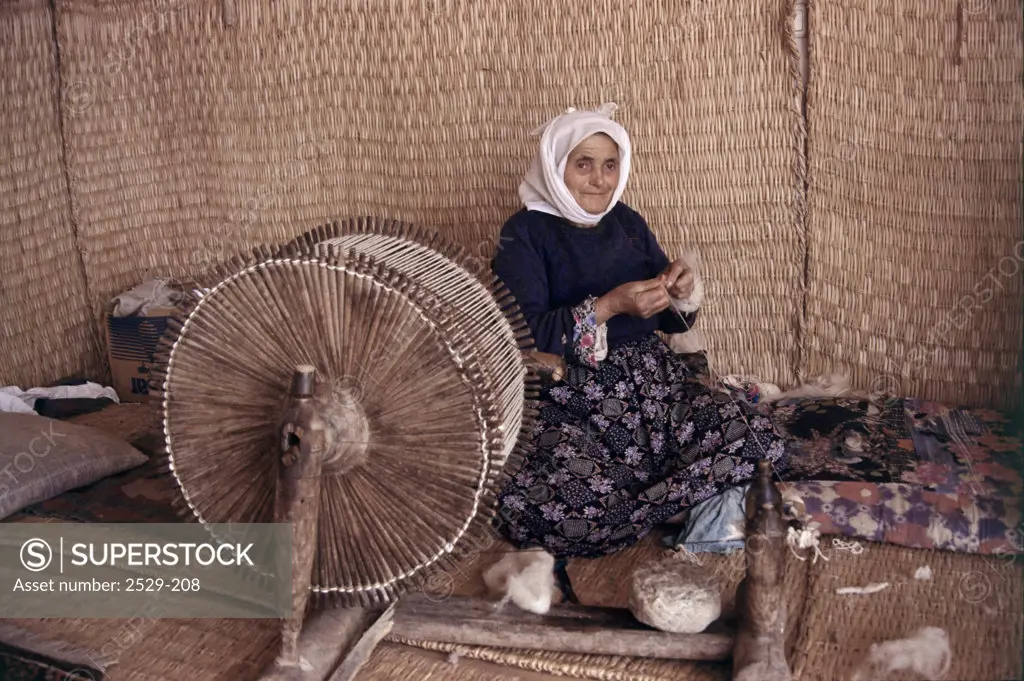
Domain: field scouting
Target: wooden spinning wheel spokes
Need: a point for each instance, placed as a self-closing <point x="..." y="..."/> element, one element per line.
<point x="417" y="438"/>
<point x="483" y="308"/>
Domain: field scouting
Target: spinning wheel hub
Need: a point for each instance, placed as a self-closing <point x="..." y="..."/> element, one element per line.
<point x="348" y="430"/>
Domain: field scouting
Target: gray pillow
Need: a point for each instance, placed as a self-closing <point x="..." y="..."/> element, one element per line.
<point x="41" y="458"/>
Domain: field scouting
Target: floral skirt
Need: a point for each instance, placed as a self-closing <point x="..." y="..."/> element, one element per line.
<point x="619" y="449"/>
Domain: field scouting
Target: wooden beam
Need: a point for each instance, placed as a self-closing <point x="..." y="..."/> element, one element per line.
<point x="564" y="629"/>
<point x="360" y="653"/>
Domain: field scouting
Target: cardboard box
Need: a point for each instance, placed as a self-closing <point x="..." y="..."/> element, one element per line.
<point x="131" y="347"/>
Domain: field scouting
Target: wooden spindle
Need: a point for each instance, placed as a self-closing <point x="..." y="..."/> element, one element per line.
<point x="760" y="651"/>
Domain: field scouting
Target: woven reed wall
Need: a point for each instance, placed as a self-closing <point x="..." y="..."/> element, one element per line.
<point x="915" y="123"/>
<point x="45" y="329"/>
<point x="197" y="127"/>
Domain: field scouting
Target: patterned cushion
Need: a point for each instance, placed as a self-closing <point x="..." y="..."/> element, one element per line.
<point x="904" y="471"/>
<point x="41" y="458"/>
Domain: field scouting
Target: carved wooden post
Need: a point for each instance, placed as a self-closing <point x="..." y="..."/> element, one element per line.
<point x="322" y="433"/>
<point x="760" y="651"/>
<point x="303" y="444"/>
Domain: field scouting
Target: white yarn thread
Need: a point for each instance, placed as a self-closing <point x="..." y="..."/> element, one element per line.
<point x="684" y="554"/>
<point x="807" y="538"/>
<point x="840" y="544"/>
<point x="804" y="538"/>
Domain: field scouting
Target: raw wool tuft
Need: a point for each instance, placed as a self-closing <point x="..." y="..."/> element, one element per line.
<point x="862" y="590"/>
<point x="674" y="595"/>
<point x="750" y="388"/>
<point x="769" y="391"/>
<point x="793" y="506"/>
<point x="683" y="554"/>
<point x="830" y="385"/>
<point x="453" y="657"/>
<point x="737" y="530"/>
<point x="926" y="653"/>
<point x="689" y="342"/>
<point x="527" y="578"/>
<point x="923" y="572"/>
<point x="691" y="259"/>
<point x="805" y="538"/>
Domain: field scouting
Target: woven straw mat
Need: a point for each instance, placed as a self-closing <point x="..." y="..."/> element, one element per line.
<point x="978" y="600"/>
<point x="45" y="330"/>
<point x="915" y="117"/>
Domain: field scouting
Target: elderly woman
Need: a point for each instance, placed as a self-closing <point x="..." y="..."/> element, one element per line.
<point x="629" y="438"/>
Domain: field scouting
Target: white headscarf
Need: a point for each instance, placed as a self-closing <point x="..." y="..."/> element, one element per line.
<point x="544" y="189"/>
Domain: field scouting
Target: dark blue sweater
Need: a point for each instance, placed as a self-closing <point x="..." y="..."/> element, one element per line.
<point x="550" y="266"/>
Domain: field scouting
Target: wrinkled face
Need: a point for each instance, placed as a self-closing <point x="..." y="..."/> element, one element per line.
<point x="592" y="172"/>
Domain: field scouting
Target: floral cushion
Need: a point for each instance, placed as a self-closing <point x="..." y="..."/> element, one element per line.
<point x="907" y="515"/>
<point x="841" y="438"/>
<point x="906" y="471"/>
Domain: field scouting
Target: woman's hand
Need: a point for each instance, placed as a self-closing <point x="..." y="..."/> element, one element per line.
<point x="678" y="280"/>
<point x="642" y="299"/>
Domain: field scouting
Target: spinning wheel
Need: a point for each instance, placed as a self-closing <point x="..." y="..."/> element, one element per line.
<point x="361" y="383"/>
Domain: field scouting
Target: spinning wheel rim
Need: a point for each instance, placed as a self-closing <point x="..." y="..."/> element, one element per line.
<point x="459" y="353"/>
